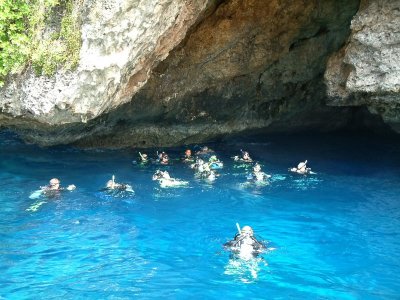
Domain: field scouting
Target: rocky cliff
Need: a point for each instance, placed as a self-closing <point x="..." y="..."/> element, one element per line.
<point x="366" y="71"/>
<point x="171" y="72"/>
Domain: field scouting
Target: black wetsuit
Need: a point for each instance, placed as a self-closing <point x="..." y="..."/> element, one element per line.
<point x="238" y="241"/>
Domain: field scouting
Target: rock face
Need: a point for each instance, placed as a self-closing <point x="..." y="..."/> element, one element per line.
<point x="171" y="72"/>
<point x="122" y="41"/>
<point x="366" y="72"/>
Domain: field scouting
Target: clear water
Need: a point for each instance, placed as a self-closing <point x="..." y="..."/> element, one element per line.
<point x="336" y="234"/>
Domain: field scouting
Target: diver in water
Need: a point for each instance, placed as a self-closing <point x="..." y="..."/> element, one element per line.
<point x="161" y="175"/>
<point x="55" y="185"/>
<point x="215" y="163"/>
<point x="166" y="180"/>
<point x="163" y="158"/>
<point x="53" y="189"/>
<point x="204" y="150"/>
<point x="244" y="245"/>
<point x="203" y="170"/>
<point x="188" y="156"/>
<point x="258" y="175"/>
<point x="302" y="168"/>
<point x="112" y="185"/>
<point x="198" y="165"/>
<point x="245" y="157"/>
<point x="143" y="158"/>
<point x="207" y="173"/>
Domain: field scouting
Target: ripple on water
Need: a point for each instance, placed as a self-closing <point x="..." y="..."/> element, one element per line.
<point x="335" y="233"/>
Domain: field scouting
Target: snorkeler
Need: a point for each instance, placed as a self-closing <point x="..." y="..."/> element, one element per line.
<point x="52" y="189"/>
<point x="244" y="245"/>
<point x="204" y="150"/>
<point x="245" y="157"/>
<point x="302" y="168"/>
<point x="188" y="156"/>
<point x="165" y="179"/>
<point x="161" y="175"/>
<point x="215" y="163"/>
<point x="198" y="165"/>
<point x="143" y="157"/>
<point x="258" y="175"/>
<point x="163" y="158"/>
<point x="207" y="173"/>
<point x="55" y="185"/>
<point x="112" y="185"/>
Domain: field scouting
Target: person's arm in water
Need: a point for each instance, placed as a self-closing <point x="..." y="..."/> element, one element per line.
<point x="234" y="242"/>
<point x="258" y="246"/>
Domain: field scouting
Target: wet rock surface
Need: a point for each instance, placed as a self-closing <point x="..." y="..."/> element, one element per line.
<point x="195" y="72"/>
<point x="366" y="71"/>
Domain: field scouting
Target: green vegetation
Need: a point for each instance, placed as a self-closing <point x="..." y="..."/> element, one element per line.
<point x="30" y="33"/>
<point x="14" y="42"/>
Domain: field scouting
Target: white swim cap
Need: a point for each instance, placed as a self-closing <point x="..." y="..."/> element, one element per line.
<point x="54" y="181"/>
<point x="109" y="184"/>
<point x="247" y="230"/>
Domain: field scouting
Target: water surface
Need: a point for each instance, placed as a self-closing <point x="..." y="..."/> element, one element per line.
<point x="336" y="233"/>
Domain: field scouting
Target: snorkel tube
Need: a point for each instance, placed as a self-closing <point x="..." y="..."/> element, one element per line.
<point x="142" y="157"/>
<point x="113" y="181"/>
<point x="238" y="228"/>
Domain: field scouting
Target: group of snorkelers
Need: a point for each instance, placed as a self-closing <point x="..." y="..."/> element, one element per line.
<point x="54" y="187"/>
<point x="205" y="164"/>
<point x="243" y="246"/>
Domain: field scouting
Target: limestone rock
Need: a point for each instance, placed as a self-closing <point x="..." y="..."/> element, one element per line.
<point x="366" y="71"/>
<point x="168" y="72"/>
<point x="121" y="42"/>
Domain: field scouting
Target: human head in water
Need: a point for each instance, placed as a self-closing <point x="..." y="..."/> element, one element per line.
<point x="110" y="184"/>
<point x="302" y="166"/>
<point x="257" y="168"/>
<point x="164" y="158"/>
<point x="188" y="153"/>
<point x="54" y="184"/>
<point x="247" y="230"/>
<point x="245" y="155"/>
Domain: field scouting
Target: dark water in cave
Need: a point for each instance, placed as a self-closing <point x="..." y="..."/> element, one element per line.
<point x="336" y="233"/>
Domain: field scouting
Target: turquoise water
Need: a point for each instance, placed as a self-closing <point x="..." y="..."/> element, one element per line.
<point x="336" y="233"/>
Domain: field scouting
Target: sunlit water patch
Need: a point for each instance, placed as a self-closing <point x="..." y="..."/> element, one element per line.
<point x="331" y="235"/>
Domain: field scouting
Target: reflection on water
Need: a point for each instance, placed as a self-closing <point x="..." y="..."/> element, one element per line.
<point x="306" y="182"/>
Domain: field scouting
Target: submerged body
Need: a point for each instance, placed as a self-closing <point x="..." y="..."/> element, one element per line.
<point x="302" y="169"/>
<point x="165" y="180"/>
<point x="244" y="245"/>
<point x="203" y="170"/>
<point x="52" y="189"/>
<point x="111" y="185"/>
<point x="258" y="176"/>
<point x="187" y="158"/>
<point x="244" y="157"/>
<point x="214" y="163"/>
